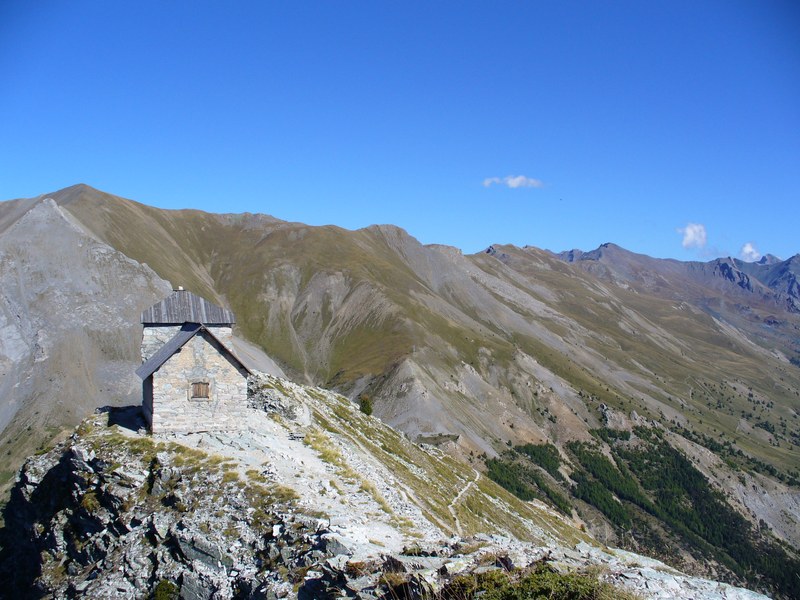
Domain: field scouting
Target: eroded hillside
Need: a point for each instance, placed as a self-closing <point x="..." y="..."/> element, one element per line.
<point x="69" y="328"/>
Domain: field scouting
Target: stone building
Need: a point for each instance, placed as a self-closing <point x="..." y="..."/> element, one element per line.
<point x="192" y="379"/>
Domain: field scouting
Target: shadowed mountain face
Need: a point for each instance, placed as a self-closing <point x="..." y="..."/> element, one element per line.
<point x="508" y="346"/>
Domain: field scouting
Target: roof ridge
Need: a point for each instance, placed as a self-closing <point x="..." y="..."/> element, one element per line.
<point x="183" y="306"/>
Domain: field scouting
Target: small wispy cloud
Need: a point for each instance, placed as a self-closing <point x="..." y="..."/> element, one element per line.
<point x="694" y="235"/>
<point x="749" y="252"/>
<point x="513" y="181"/>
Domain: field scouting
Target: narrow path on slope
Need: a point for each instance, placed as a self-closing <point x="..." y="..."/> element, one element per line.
<point x="410" y="495"/>
<point x="452" y="505"/>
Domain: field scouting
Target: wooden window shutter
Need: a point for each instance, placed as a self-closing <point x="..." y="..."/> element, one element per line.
<point x="200" y="390"/>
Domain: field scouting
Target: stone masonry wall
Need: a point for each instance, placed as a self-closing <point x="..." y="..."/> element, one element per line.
<point x="174" y="410"/>
<point x="153" y="338"/>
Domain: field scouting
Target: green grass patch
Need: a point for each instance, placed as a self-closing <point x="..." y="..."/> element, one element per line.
<point x="542" y="582"/>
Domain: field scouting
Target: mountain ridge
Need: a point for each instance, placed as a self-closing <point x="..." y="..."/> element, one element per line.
<point x="735" y="270"/>
<point x="506" y="347"/>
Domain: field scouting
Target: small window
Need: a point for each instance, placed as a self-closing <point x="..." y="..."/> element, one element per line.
<point x="200" y="390"/>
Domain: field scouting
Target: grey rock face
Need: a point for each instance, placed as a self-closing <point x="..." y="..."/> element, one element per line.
<point x="261" y="395"/>
<point x="68" y="306"/>
<point x="111" y="523"/>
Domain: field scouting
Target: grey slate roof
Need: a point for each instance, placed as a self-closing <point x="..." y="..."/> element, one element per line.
<point x="187" y="332"/>
<point x="185" y="307"/>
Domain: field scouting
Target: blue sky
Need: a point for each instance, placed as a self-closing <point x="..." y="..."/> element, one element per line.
<point x="669" y="128"/>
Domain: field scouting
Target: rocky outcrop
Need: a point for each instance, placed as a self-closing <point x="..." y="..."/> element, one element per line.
<point x="263" y="396"/>
<point x="726" y="269"/>
<point x="109" y="517"/>
<point x="429" y="573"/>
<point x="115" y="513"/>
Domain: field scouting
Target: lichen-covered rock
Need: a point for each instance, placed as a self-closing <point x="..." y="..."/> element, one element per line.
<point x="263" y="393"/>
<point x="109" y="516"/>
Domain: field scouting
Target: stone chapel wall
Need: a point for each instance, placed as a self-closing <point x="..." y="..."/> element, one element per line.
<point x="154" y="337"/>
<point x="198" y="361"/>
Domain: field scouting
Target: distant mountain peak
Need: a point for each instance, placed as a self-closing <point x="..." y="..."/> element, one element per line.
<point x="768" y="259"/>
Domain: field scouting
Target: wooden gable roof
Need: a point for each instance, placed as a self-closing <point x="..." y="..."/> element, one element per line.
<point x="185" y="307"/>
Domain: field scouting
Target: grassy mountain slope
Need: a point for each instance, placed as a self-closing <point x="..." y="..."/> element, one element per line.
<point x="374" y="310"/>
<point x="506" y="347"/>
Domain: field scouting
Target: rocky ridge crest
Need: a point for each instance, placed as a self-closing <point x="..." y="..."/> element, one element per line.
<point x="309" y="499"/>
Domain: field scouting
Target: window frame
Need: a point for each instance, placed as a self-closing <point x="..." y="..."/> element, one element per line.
<point x="197" y="389"/>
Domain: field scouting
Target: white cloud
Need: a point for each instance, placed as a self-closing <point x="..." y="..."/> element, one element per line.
<point x="513" y="181"/>
<point x="749" y="252"/>
<point x="694" y="235"/>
